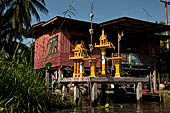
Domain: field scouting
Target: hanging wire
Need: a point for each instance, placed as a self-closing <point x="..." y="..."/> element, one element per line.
<point x="91" y="29"/>
<point x="92" y="1"/>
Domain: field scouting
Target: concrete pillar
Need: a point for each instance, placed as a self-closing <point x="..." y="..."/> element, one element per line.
<point x="139" y="92"/>
<point x="94" y="93"/>
<point x="76" y="95"/>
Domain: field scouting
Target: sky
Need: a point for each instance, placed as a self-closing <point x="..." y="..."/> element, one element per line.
<point x="107" y="9"/>
<point x="148" y="10"/>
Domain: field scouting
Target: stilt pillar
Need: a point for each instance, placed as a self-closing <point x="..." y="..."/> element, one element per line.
<point x="64" y="91"/>
<point x="76" y="95"/>
<point x="154" y="79"/>
<point x="139" y="92"/>
<point x="94" y="95"/>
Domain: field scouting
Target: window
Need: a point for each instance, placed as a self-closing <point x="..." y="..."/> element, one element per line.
<point x="53" y="45"/>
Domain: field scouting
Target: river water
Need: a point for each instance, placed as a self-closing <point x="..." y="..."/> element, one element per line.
<point x="145" y="107"/>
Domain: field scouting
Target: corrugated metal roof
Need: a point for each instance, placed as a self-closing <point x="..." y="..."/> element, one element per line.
<point x="126" y="24"/>
<point x="133" y="25"/>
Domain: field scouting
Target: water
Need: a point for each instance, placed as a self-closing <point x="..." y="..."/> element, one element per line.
<point x="146" y="107"/>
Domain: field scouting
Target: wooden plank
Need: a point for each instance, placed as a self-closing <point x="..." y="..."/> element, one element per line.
<point x="119" y="80"/>
<point x="105" y="80"/>
<point x="75" y="80"/>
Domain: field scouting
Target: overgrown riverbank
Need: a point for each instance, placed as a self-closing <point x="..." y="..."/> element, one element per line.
<point x="23" y="90"/>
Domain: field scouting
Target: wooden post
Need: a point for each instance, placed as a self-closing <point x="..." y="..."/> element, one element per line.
<point x="76" y="95"/>
<point x="94" y="93"/>
<point x="138" y="107"/>
<point x="150" y="79"/>
<point x="154" y="79"/>
<point x="139" y="92"/>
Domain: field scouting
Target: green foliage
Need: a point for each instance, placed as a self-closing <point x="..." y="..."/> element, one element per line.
<point x="15" y="20"/>
<point x="24" y="90"/>
<point x="164" y="78"/>
<point x="21" y="88"/>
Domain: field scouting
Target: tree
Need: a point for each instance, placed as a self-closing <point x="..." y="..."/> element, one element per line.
<point x="16" y="17"/>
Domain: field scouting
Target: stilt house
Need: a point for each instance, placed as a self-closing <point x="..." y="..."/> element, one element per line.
<point x="139" y="44"/>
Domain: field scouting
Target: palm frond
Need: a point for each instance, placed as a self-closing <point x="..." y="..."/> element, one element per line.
<point x="40" y="6"/>
<point x="34" y="12"/>
<point x="42" y="1"/>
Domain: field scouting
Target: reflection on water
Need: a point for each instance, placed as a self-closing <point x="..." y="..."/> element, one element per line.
<point x="147" y="107"/>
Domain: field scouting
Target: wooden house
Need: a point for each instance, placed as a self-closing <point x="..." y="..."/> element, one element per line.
<point x="139" y="44"/>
